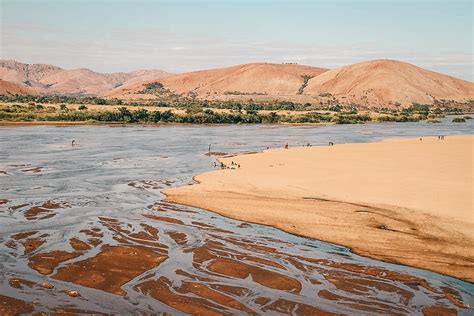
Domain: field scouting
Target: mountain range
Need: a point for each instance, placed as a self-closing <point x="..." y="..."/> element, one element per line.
<point x="381" y="82"/>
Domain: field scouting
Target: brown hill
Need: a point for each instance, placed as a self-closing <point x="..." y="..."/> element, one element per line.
<point x="86" y="81"/>
<point x="12" y="88"/>
<point x="54" y="80"/>
<point x="247" y="79"/>
<point x="373" y="83"/>
<point x="387" y="82"/>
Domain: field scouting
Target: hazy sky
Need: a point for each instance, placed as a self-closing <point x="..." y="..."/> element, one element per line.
<point x="180" y="36"/>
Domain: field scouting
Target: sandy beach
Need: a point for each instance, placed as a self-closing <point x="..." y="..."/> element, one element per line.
<point x="405" y="201"/>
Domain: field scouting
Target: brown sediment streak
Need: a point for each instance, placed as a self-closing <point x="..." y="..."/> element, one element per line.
<point x="261" y="261"/>
<point x="230" y="289"/>
<point x="289" y="307"/>
<point x="242" y="270"/>
<point x="33" y="170"/>
<point x="147" y="236"/>
<point x="45" y="262"/>
<point x="193" y="276"/>
<point x="45" y="209"/>
<point x="161" y="290"/>
<point x="94" y="241"/>
<point x="11" y="306"/>
<point x="31" y="244"/>
<point x="164" y="219"/>
<point x="390" y="276"/>
<point x="178" y="237"/>
<point x="111" y="268"/>
<point x="352" y="285"/>
<point x="23" y="235"/>
<point x="215" y="252"/>
<point x="19" y="283"/>
<point x="212" y="295"/>
<point x="436" y="310"/>
<point x="15" y="207"/>
<point x="215" y="153"/>
<point x="165" y="207"/>
<point x="3" y="201"/>
<point x="210" y="228"/>
<point x="64" y="310"/>
<point x="78" y="244"/>
<point x="94" y="232"/>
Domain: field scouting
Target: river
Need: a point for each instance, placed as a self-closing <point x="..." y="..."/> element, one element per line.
<point x="90" y="218"/>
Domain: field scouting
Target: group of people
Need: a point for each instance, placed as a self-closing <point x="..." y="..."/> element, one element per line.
<point x="233" y="165"/>
<point x="306" y="145"/>
<point x="440" y="137"/>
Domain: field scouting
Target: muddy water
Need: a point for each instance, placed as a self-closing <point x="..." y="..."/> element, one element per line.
<point x="84" y="230"/>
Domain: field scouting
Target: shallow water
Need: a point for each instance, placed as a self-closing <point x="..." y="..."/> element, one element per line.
<point x="97" y="226"/>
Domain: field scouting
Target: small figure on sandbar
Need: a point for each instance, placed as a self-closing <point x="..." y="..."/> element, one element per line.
<point x="73" y="143"/>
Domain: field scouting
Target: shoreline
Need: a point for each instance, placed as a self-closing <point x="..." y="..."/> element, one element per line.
<point x="92" y="123"/>
<point x="436" y="243"/>
<point x="354" y="251"/>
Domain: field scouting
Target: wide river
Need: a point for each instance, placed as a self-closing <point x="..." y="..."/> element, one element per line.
<point x="90" y="219"/>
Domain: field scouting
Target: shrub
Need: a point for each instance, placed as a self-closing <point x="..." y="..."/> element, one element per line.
<point x="335" y="108"/>
<point x="154" y="85"/>
<point x="458" y="120"/>
<point x="82" y="107"/>
<point x="306" y="78"/>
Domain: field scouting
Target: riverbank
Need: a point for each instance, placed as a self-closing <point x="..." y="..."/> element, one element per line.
<point x="406" y="201"/>
<point x="250" y="114"/>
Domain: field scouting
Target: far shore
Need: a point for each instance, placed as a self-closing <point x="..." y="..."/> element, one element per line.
<point x="406" y="201"/>
<point x="79" y="123"/>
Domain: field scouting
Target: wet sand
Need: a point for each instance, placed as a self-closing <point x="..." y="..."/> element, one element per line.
<point x="405" y="201"/>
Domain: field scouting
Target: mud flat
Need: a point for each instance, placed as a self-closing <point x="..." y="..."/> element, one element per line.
<point x="405" y="201"/>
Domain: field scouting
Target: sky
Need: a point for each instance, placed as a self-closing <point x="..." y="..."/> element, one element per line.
<point x="186" y="35"/>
